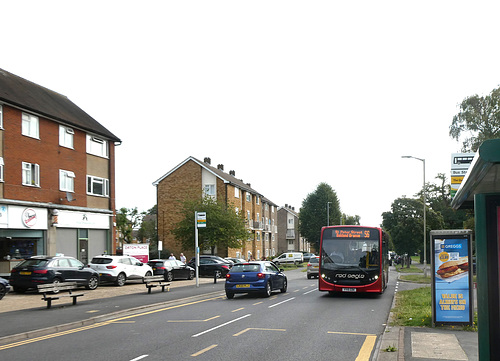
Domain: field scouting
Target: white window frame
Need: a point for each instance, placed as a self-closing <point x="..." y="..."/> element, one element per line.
<point x="31" y="174"/>
<point x="66" y="181"/>
<point x="236" y="192"/>
<point x="249" y="196"/>
<point x="30" y="126"/>
<point x="1" y="117"/>
<point x="97" y="146"/>
<point x="209" y="190"/>
<point x="66" y="136"/>
<point x="1" y="168"/>
<point x="92" y="181"/>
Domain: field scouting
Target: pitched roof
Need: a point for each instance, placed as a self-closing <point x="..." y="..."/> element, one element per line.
<point x="226" y="177"/>
<point x="29" y="96"/>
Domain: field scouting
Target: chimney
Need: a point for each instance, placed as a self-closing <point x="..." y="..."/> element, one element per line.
<point x="286" y="205"/>
<point x="220" y="166"/>
<point x="207" y="160"/>
<point x="233" y="173"/>
<point x="248" y="184"/>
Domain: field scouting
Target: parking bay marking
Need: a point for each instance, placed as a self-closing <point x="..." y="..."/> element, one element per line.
<point x="203" y="351"/>
<point x="366" y="348"/>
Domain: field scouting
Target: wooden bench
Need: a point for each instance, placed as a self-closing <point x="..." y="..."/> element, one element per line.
<point x="156" y="281"/>
<point x="52" y="291"/>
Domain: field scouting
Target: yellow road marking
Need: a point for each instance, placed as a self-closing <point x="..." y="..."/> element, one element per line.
<point x="257" y="303"/>
<point x="239" y="309"/>
<point x="99" y="324"/>
<point x="208" y="319"/>
<point x="366" y="348"/>
<point x="203" y="351"/>
<point x="259" y="329"/>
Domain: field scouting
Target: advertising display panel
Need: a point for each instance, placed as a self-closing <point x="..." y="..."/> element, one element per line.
<point x="139" y="251"/>
<point x="452" y="299"/>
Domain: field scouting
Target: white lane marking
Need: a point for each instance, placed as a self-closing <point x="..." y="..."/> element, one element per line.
<point x="311" y="291"/>
<point x="139" y="358"/>
<point x="224" y="324"/>
<point x="279" y="303"/>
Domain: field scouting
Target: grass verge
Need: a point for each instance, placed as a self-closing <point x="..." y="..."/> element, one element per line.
<point x="413" y="309"/>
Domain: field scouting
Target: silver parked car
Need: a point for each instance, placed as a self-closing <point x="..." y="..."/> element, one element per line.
<point x="313" y="267"/>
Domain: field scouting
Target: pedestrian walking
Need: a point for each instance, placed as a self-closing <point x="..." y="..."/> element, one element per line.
<point x="171" y="256"/>
<point x="182" y="258"/>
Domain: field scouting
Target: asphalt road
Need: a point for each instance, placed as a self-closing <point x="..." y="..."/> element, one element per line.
<point x="302" y="323"/>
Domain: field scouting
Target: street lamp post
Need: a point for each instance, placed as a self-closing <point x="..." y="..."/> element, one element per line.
<point x="328" y="213"/>
<point x="424" y="195"/>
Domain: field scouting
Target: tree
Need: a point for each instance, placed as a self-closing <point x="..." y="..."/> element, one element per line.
<point x="478" y="120"/>
<point x="404" y="223"/>
<point x="126" y="221"/>
<point x="351" y="220"/>
<point x="439" y="200"/>
<point x="313" y="213"/>
<point x="225" y="227"/>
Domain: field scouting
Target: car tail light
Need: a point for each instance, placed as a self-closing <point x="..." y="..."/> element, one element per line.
<point x="111" y="267"/>
<point x="228" y="276"/>
<point x="225" y="267"/>
<point x="41" y="271"/>
<point x="261" y="275"/>
<point x="160" y="268"/>
<point x="309" y="265"/>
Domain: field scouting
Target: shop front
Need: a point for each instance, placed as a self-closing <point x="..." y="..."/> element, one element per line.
<point x="23" y="231"/>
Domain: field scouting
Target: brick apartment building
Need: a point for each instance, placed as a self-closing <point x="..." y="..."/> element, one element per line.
<point x="194" y="178"/>
<point x="56" y="176"/>
<point x="289" y="238"/>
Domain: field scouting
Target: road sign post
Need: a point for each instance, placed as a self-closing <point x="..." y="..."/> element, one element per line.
<point x="200" y="221"/>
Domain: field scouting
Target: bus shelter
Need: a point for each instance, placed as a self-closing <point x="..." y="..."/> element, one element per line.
<point x="480" y="190"/>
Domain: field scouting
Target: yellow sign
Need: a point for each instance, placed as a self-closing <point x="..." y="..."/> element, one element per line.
<point x="444" y="256"/>
<point x="456" y="180"/>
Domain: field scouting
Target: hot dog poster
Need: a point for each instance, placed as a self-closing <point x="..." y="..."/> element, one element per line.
<point x="451" y="280"/>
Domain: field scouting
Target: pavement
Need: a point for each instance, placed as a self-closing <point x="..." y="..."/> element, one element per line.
<point x="400" y="343"/>
<point x="22" y="315"/>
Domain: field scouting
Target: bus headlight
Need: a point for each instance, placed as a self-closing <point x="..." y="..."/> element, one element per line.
<point x="376" y="277"/>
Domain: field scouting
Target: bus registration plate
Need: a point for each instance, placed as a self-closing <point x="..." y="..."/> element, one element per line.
<point x="348" y="290"/>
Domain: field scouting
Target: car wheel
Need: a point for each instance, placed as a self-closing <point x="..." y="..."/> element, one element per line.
<point x="229" y="295"/>
<point x="93" y="283"/>
<point x="285" y="285"/>
<point x="309" y="277"/>
<point x="269" y="290"/>
<point x="169" y="277"/>
<point x="191" y="275"/>
<point x="3" y="291"/>
<point x="121" y="279"/>
<point x="19" y="289"/>
<point x="56" y="282"/>
<point x="218" y="274"/>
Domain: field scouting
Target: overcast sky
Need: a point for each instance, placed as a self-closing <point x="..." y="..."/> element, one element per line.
<point x="288" y="94"/>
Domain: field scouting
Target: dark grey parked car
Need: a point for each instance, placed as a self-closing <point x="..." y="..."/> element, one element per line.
<point x="171" y="269"/>
<point x="38" y="270"/>
<point x="4" y="287"/>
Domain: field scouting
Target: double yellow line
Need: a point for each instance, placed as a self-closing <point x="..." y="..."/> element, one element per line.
<point x="99" y="324"/>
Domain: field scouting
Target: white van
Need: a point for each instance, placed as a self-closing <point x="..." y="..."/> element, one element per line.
<point x="289" y="257"/>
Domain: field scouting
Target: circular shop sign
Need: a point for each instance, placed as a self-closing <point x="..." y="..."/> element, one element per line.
<point x="29" y="217"/>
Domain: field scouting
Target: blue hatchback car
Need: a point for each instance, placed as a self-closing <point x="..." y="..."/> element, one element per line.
<point x="255" y="277"/>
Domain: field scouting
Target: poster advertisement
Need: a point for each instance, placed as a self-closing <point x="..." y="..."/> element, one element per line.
<point x="451" y="277"/>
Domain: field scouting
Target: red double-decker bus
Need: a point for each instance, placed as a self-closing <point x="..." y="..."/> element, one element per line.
<point x="353" y="259"/>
